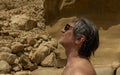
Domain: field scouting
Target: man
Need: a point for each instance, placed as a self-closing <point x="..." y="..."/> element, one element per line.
<point x="80" y="39"/>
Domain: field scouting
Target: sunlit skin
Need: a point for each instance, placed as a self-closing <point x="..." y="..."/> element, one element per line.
<point x="76" y="65"/>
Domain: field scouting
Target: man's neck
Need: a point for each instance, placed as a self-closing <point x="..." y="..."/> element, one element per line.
<point x="72" y="55"/>
<point x="71" y="52"/>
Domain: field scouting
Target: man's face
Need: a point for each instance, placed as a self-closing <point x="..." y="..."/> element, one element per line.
<point x="67" y="35"/>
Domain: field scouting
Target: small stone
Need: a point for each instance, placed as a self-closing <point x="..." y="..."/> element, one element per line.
<point x="16" y="68"/>
<point x="14" y="34"/>
<point x="31" y="41"/>
<point x="17" y="47"/>
<point x="44" y="37"/>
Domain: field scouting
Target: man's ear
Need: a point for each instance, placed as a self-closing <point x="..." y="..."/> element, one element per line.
<point x="80" y="40"/>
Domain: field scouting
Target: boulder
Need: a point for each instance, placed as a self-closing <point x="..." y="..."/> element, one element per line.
<point x="52" y="43"/>
<point x="4" y="67"/>
<point x="50" y="60"/>
<point x="10" y="58"/>
<point x="23" y="22"/>
<point x="40" y="53"/>
<point x="16" y="68"/>
<point x="17" y="47"/>
<point x="31" y="41"/>
<point x="26" y="63"/>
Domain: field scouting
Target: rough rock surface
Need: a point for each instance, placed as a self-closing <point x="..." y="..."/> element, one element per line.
<point x="50" y="60"/>
<point x="9" y="57"/>
<point x="24" y="41"/>
<point x="5" y="67"/>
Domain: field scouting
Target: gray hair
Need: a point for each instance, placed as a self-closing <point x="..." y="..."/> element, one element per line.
<point x="90" y="31"/>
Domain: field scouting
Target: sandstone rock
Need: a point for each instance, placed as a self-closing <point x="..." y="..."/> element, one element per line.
<point x="3" y="17"/>
<point x="38" y="42"/>
<point x="4" y="67"/>
<point x="47" y="71"/>
<point x="23" y="22"/>
<point x="118" y="71"/>
<point x="4" y="33"/>
<point x="23" y="73"/>
<point x="5" y="49"/>
<point x="60" y="52"/>
<point x="31" y="41"/>
<point x="22" y="40"/>
<point x="26" y="64"/>
<point x="11" y="4"/>
<point x="16" y="68"/>
<point x="2" y="6"/>
<point x="106" y="70"/>
<point x="14" y="34"/>
<point x="1" y="25"/>
<point x="30" y="24"/>
<point x="115" y="64"/>
<point x="17" y="47"/>
<point x="57" y="52"/>
<point x="67" y="3"/>
<point x="44" y="37"/>
<point x="61" y="63"/>
<point x="18" y="20"/>
<point x="54" y="43"/>
<point x="51" y="43"/>
<point x="50" y="60"/>
<point x="41" y="25"/>
<point x="28" y="49"/>
<point x="10" y="58"/>
<point x="40" y="53"/>
<point x="17" y="31"/>
<point x="36" y="45"/>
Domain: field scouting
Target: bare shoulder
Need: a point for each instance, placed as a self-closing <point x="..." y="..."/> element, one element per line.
<point x="80" y="67"/>
<point x="83" y="68"/>
<point x="83" y="72"/>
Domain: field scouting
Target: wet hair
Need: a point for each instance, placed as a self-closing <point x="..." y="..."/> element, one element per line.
<point x="84" y="27"/>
